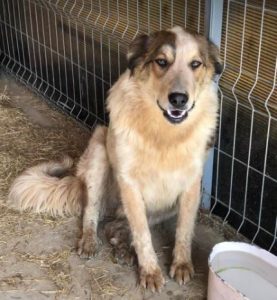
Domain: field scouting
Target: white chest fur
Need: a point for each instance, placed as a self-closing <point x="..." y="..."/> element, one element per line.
<point x="160" y="190"/>
<point x="161" y="177"/>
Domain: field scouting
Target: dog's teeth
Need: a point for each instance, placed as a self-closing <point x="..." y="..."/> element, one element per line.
<point x="182" y="113"/>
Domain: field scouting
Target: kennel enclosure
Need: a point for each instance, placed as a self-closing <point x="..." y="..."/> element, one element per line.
<point x="71" y="52"/>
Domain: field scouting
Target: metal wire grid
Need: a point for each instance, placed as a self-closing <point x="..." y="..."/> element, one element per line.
<point x="52" y="67"/>
<point x="71" y="52"/>
<point x="245" y="177"/>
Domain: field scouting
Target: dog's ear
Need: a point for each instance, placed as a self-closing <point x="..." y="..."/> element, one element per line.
<point x="210" y="53"/>
<point x="137" y="50"/>
<point x="215" y="57"/>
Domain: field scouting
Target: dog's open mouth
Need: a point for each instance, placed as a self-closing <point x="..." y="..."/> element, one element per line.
<point x="174" y="115"/>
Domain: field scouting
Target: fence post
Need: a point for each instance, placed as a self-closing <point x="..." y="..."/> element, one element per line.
<point x="213" y="27"/>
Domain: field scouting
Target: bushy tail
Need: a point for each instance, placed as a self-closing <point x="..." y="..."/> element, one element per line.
<point x="47" y="187"/>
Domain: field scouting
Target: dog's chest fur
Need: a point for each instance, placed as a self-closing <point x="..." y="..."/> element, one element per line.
<point x="163" y="176"/>
<point x="160" y="173"/>
<point x="160" y="189"/>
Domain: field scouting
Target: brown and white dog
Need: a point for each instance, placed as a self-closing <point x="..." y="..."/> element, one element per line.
<point x="163" y="115"/>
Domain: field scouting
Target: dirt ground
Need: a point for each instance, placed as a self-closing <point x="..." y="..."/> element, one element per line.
<point x="37" y="252"/>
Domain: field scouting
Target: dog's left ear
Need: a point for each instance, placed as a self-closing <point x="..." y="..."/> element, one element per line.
<point x="215" y="57"/>
<point x="136" y="51"/>
<point x="210" y="53"/>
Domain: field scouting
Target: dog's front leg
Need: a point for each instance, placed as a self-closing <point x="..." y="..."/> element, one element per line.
<point x="93" y="168"/>
<point x="149" y="271"/>
<point x="182" y="268"/>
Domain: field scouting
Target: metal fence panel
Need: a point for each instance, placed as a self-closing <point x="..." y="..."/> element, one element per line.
<point x="72" y="51"/>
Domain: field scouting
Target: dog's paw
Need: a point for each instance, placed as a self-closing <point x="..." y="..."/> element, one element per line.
<point x="123" y="253"/>
<point x="88" y="245"/>
<point x="124" y="256"/>
<point x="153" y="280"/>
<point x="182" y="272"/>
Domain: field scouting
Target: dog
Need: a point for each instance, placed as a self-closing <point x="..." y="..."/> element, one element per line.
<point x="148" y="162"/>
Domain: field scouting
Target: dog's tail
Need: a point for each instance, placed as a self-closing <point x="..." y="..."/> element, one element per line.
<point x="48" y="187"/>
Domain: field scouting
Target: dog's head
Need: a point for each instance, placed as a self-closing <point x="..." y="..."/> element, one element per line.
<point x="174" y="66"/>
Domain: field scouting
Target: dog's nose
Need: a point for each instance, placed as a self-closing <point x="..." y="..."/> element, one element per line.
<point x="178" y="100"/>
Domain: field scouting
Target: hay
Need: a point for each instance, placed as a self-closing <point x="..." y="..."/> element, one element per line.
<point x="14" y="224"/>
<point x="10" y="219"/>
<point x="222" y="229"/>
<point x="25" y="143"/>
<point x="53" y="263"/>
<point x="103" y="285"/>
<point x="4" y="98"/>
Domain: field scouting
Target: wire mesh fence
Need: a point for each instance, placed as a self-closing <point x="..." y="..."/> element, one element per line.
<point x="245" y="173"/>
<point x="71" y="52"/>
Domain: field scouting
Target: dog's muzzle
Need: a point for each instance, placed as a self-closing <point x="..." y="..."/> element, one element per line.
<point x="174" y="115"/>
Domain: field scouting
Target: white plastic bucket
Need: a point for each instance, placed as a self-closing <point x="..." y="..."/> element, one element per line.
<point x="241" y="271"/>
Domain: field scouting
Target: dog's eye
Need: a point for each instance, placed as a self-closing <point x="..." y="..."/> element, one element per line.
<point x="195" y="64"/>
<point x="161" y="62"/>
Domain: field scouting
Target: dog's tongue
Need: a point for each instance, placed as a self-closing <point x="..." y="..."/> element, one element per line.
<point x="176" y="113"/>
